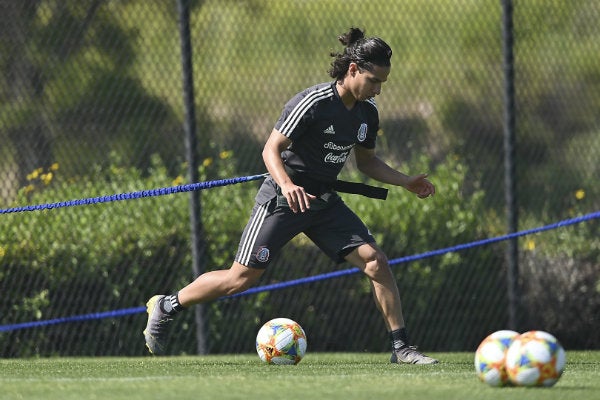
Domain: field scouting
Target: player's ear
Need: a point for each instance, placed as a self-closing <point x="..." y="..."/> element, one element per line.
<point x="353" y="68"/>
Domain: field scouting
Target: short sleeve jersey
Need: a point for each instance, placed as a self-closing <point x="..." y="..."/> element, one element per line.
<point x="323" y="131"/>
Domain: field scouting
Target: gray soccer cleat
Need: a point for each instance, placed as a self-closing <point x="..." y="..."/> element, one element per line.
<point x="156" y="332"/>
<point x="410" y="355"/>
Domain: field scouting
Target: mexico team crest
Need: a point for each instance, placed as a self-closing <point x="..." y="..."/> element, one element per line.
<point x="262" y="255"/>
<point x="362" y="132"/>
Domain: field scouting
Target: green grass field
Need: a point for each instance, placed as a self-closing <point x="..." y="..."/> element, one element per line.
<point x="318" y="376"/>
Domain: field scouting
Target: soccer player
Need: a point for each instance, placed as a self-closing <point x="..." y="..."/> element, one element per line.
<point x="304" y="153"/>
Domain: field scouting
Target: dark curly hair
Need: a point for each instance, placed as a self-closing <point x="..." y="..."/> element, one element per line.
<point x="365" y="52"/>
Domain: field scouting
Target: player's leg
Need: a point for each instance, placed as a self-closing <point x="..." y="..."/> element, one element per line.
<point x="208" y="286"/>
<point x="373" y="262"/>
<point x="343" y="236"/>
<point x="214" y="284"/>
<point x="211" y="285"/>
<point x="268" y="229"/>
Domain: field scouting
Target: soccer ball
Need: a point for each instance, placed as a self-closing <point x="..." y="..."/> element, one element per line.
<point x="490" y="356"/>
<point x="535" y="358"/>
<point x="281" y="341"/>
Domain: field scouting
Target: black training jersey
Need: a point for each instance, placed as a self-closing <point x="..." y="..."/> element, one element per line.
<point x="323" y="131"/>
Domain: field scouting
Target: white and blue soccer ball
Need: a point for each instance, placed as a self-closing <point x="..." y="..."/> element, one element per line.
<point x="281" y="341"/>
<point x="535" y="358"/>
<point x="490" y="357"/>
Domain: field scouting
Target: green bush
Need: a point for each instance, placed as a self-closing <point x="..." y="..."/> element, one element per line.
<point x="560" y="278"/>
<point x="102" y="257"/>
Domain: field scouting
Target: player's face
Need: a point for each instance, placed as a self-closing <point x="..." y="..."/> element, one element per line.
<point x="367" y="84"/>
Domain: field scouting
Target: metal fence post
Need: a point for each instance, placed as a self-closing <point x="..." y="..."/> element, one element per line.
<point x="197" y="239"/>
<point x="512" y="251"/>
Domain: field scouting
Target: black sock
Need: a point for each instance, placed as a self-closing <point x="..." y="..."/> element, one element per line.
<point x="399" y="338"/>
<point x="170" y="304"/>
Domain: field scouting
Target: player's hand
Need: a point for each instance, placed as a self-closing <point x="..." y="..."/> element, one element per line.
<point x="419" y="185"/>
<point x="297" y="198"/>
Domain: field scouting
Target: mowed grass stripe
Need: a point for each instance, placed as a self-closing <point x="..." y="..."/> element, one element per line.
<point x="318" y="376"/>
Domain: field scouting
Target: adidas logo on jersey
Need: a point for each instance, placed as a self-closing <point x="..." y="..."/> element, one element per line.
<point x="329" y="130"/>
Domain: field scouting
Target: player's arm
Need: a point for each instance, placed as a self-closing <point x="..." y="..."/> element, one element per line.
<point x="372" y="166"/>
<point x="296" y="197"/>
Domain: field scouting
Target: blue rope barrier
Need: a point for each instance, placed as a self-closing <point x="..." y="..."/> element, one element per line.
<point x="420" y="256"/>
<point x="135" y="195"/>
<point x="314" y="278"/>
<point x="75" y="318"/>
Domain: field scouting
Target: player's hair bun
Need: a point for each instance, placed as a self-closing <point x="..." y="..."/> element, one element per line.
<point x="351" y="37"/>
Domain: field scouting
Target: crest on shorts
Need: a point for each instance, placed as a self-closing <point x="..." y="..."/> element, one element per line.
<point x="362" y="132"/>
<point x="262" y="255"/>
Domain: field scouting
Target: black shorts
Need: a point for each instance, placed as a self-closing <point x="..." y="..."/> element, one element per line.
<point x="336" y="230"/>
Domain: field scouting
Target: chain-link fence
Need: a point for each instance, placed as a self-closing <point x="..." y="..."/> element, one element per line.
<point x="91" y="103"/>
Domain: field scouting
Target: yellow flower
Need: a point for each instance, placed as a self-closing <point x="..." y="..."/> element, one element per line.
<point x="54" y="167"/>
<point x="178" y="181"/>
<point x="225" y="154"/>
<point x="530" y="245"/>
<point x="580" y="194"/>
<point x="28" y="189"/>
<point x="46" y="178"/>
<point x="207" y="162"/>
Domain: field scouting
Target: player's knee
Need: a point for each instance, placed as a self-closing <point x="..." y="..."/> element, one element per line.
<point x="377" y="264"/>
